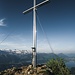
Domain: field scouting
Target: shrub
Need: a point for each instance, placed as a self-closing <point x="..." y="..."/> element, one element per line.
<point x="58" y="67"/>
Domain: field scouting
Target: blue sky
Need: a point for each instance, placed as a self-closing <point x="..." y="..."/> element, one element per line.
<point x="56" y="17"/>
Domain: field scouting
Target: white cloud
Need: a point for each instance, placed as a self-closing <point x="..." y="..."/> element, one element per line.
<point x="15" y="42"/>
<point x="11" y="45"/>
<point x="2" y="22"/>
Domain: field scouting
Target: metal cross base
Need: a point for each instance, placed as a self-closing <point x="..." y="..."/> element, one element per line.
<point x="34" y="56"/>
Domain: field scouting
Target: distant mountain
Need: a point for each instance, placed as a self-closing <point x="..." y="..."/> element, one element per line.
<point x="71" y="55"/>
<point x="61" y="55"/>
<point x="6" y="57"/>
<point x="9" y="59"/>
<point x="44" y="57"/>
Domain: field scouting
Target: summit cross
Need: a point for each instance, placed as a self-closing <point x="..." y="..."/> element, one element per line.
<point x="34" y="48"/>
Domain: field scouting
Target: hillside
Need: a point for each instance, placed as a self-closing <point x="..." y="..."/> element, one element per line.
<point x="61" y="55"/>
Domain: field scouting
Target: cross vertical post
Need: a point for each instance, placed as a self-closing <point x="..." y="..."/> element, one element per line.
<point x="34" y="36"/>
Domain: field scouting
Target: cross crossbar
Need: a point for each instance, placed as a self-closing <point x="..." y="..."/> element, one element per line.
<point x="42" y="3"/>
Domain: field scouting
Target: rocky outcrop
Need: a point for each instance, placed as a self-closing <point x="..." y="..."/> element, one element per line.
<point x="28" y="70"/>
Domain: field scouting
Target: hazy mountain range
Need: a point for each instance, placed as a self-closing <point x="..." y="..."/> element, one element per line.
<point x="9" y="59"/>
